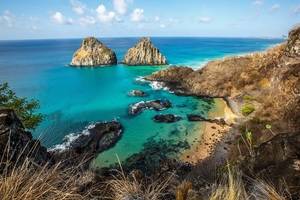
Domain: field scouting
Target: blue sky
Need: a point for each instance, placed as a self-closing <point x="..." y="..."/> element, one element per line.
<point x="36" y="19"/>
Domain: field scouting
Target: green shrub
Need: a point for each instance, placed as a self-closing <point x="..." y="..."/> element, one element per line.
<point x="23" y="107"/>
<point x="248" y="98"/>
<point x="247" y="109"/>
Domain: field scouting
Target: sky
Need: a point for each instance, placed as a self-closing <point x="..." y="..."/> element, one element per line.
<point x="46" y="19"/>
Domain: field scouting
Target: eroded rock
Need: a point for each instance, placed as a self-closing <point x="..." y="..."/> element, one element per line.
<point x="93" y="53"/>
<point x="157" y="105"/>
<point x="144" y="53"/>
<point x="167" y="118"/>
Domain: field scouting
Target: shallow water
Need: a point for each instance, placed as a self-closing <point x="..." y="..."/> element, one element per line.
<point x="72" y="98"/>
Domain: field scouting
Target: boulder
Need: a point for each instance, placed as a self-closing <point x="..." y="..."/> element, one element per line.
<point x="157" y="105"/>
<point x="144" y="53"/>
<point x="93" y="53"/>
<point x="168" y="118"/>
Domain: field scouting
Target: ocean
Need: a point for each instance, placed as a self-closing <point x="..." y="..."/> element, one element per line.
<point x="73" y="98"/>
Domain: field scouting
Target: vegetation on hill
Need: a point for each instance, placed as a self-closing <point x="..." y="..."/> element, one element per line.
<point x="23" y="107"/>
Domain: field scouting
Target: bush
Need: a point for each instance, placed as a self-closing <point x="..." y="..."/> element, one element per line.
<point x="247" y="109"/>
<point x="23" y="107"/>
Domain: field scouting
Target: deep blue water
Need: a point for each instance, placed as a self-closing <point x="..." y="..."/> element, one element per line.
<point x="72" y="98"/>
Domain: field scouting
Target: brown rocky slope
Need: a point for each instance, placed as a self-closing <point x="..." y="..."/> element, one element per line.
<point x="268" y="81"/>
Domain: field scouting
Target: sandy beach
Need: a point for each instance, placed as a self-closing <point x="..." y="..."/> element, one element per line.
<point x="210" y="133"/>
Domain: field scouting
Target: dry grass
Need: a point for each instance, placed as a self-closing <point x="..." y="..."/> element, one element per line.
<point x="29" y="182"/>
<point x="233" y="187"/>
<point x="125" y="187"/>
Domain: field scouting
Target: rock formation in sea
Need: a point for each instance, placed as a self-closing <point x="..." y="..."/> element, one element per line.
<point x="144" y="53"/>
<point x="167" y="118"/>
<point x="18" y="144"/>
<point x="93" y="53"/>
<point x="157" y="105"/>
<point x="137" y="93"/>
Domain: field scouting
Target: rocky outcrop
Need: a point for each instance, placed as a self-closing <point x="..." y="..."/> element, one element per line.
<point x="167" y="118"/>
<point x="269" y="81"/>
<point x="278" y="159"/>
<point x="90" y="143"/>
<point x="93" y="53"/>
<point x="17" y="144"/>
<point x="144" y="53"/>
<point x="157" y="105"/>
<point x="137" y="93"/>
<point x="293" y="43"/>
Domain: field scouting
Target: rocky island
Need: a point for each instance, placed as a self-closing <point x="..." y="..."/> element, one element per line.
<point x="144" y="53"/>
<point x="93" y="53"/>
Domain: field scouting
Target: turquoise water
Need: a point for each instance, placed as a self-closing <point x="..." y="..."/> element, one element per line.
<point x="72" y="98"/>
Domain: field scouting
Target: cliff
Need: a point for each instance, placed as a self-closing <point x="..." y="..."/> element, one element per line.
<point x="144" y="53"/>
<point x="261" y="86"/>
<point x="93" y="53"/>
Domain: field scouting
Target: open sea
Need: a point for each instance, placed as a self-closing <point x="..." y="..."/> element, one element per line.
<point x="73" y="98"/>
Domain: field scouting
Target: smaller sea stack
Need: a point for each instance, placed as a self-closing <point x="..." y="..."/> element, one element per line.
<point x="93" y="53"/>
<point x="144" y="53"/>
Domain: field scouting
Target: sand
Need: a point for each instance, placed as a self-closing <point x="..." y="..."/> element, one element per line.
<point x="210" y="133"/>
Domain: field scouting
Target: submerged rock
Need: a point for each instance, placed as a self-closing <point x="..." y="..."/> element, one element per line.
<point x="137" y="93"/>
<point x="168" y="118"/>
<point x="93" y="53"/>
<point x="195" y="118"/>
<point x="144" y="53"/>
<point x="157" y="105"/>
<point x="17" y="144"/>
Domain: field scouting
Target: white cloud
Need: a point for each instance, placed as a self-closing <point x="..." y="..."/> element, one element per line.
<point x="275" y="7"/>
<point x="137" y="15"/>
<point x="87" y="20"/>
<point x="205" y="20"/>
<point x="7" y="18"/>
<point x="59" y="18"/>
<point x="120" y="6"/>
<point x="78" y="7"/>
<point x="258" y="2"/>
<point x="157" y="18"/>
<point x="105" y="16"/>
<point x="297" y="10"/>
<point x="162" y="26"/>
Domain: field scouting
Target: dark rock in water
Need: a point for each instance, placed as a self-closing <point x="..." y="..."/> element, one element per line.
<point x="93" y="53"/>
<point x="157" y="105"/>
<point x="168" y="118"/>
<point x="17" y="144"/>
<point x="278" y="159"/>
<point x="195" y="118"/>
<point x="97" y="139"/>
<point x="199" y="118"/>
<point x="137" y="93"/>
<point x="144" y="53"/>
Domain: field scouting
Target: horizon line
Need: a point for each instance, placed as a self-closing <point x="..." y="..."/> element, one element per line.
<point x="119" y="37"/>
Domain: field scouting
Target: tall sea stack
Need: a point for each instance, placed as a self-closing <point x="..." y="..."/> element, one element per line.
<point x="93" y="53"/>
<point x="144" y="53"/>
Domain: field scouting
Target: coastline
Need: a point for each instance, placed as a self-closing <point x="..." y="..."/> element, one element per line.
<point x="210" y="133"/>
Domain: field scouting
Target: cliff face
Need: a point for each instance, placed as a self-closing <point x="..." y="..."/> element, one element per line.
<point x="16" y="143"/>
<point x="269" y="81"/>
<point x="144" y="53"/>
<point x="93" y="53"/>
